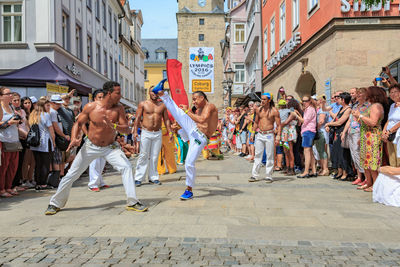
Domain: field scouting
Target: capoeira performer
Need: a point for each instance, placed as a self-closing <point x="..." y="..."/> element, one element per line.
<point x="150" y="113"/>
<point x="97" y="166"/>
<point x="198" y="124"/>
<point x="265" y="118"/>
<point x="105" y="118"/>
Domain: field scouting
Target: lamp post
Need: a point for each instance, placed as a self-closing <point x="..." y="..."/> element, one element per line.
<point x="225" y="86"/>
<point x="229" y="81"/>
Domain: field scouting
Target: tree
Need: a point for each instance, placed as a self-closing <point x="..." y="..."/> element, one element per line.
<point x="373" y="2"/>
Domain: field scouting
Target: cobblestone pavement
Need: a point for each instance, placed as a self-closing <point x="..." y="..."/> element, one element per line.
<point x="158" y="251"/>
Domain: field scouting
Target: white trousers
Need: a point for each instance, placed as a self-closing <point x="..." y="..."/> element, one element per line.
<point x="113" y="154"/>
<point x="197" y="139"/>
<point x="263" y="141"/>
<point x="96" y="168"/>
<point x="150" y="146"/>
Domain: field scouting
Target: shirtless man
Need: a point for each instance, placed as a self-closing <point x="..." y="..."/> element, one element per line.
<point x="198" y="124"/>
<point x="105" y="118"/>
<point x="265" y="118"/>
<point x="150" y="113"/>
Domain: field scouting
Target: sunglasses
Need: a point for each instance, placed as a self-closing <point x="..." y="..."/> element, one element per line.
<point x="305" y="101"/>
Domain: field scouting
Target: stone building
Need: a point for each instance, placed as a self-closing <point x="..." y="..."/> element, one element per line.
<point x="320" y="46"/>
<point x="201" y="23"/>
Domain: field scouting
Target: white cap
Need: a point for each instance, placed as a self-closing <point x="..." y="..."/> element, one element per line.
<point x="33" y="99"/>
<point x="56" y="99"/>
<point x="314" y="97"/>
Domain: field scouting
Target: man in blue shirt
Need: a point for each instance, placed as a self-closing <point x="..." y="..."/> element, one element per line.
<point x="334" y="107"/>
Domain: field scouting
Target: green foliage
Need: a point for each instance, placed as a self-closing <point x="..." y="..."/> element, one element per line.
<point x="373" y="2"/>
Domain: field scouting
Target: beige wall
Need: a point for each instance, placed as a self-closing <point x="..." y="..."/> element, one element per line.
<point x="349" y="58"/>
<point x="214" y="31"/>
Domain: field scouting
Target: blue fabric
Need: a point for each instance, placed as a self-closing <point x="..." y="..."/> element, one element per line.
<point x="279" y="150"/>
<point x="159" y="87"/>
<point x="335" y="109"/>
<point x="308" y="138"/>
<point x="264" y="158"/>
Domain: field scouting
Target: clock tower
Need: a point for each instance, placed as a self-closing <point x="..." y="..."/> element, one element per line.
<point x="201" y="24"/>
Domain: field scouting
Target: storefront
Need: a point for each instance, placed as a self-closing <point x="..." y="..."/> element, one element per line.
<point x="335" y="45"/>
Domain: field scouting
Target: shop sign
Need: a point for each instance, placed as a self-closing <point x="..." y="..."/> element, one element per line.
<point x="362" y="7"/>
<point x="55" y="89"/>
<point x="286" y="50"/>
<point x="73" y="69"/>
<point x="237" y="89"/>
<point x="201" y="69"/>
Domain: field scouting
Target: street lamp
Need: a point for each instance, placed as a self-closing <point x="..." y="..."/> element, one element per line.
<point x="229" y="76"/>
<point x="225" y="86"/>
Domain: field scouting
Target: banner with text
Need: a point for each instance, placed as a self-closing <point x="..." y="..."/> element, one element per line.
<point x="201" y="69"/>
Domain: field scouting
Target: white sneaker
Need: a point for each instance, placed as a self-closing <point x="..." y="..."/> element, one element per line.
<point x="269" y="180"/>
<point x="247" y="157"/>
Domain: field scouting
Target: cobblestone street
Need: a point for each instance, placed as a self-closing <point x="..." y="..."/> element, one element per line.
<point x="190" y="252"/>
<point x="291" y="222"/>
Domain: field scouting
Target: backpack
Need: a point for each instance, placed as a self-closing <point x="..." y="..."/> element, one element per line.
<point x="33" y="139"/>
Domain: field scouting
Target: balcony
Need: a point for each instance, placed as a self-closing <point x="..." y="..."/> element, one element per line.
<point x="253" y="38"/>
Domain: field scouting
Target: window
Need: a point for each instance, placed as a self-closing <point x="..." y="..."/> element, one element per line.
<point x="89" y="51"/>
<point x="111" y="68"/>
<point x="296" y="14"/>
<point x="121" y="82"/>
<point x="201" y="37"/>
<point x="11" y="22"/>
<point x="239" y="33"/>
<point x="131" y="63"/>
<point x="145" y="75"/>
<point x="312" y="4"/>
<point x="131" y="91"/>
<point x="127" y="88"/>
<point x="65" y="31"/>
<point x="104" y="15"/>
<point x="98" y="58"/>
<point x="126" y="58"/>
<point x="115" y="29"/>
<point x="160" y="55"/>
<point x="121" y="53"/>
<point x="266" y="44"/>
<point x="116" y="70"/>
<point x="240" y="73"/>
<point x="164" y="74"/>
<point x="282" y="23"/>
<point x="201" y="21"/>
<point x="110" y="28"/>
<point x="272" y="39"/>
<point x="105" y="63"/>
<point x="89" y="4"/>
<point x="97" y="11"/>
<point x="78" y="42"/>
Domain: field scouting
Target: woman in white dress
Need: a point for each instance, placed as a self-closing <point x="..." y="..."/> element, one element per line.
<point x="386" y="188"/>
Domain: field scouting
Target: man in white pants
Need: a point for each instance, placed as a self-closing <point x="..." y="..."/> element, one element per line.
<point x="152" y="112"/>
<point x="198" y="124"/>
<point x="105" y="119"/>
<point x="265" y="118"/>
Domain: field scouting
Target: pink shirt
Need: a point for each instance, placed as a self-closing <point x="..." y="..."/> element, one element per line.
<point x="310" y="120"/>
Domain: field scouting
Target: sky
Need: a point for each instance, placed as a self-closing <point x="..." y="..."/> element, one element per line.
<point x="158" y="16"/>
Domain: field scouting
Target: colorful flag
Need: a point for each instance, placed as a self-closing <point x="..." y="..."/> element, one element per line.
<point x="174" y="72"/>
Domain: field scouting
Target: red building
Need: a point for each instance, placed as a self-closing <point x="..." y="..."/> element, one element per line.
<point x="319" y="46"/>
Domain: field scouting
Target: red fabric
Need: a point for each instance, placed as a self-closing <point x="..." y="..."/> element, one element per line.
<point x="174" y="72"/>
<point x="8" y="169"/>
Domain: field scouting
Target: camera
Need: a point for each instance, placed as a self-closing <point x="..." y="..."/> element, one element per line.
<point x="17" y="117"/>
<point x="384" y="69"/>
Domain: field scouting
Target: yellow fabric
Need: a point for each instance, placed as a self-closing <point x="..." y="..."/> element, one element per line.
<point x="250" y="124"/>
<point x="166" y="157"/>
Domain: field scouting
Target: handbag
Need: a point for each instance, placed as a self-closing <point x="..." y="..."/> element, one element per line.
<point x="33" y="138"/>
<point x="12" y="147"/>
<point x="345" y="143"/>
<point x="61" y="143"/>
<point x="391" y="137"/>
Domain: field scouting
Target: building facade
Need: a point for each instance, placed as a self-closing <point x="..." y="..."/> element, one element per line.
<point x="136" y="32"/>
<point x="201" y="24"/>
<point x="126" y="58"/>
<point x="157" y="51"/>
<point x="80" y="36"/>
<point x="232" y="48"/>
<point x="253" y="47"/>
<point x="320" y="46"/>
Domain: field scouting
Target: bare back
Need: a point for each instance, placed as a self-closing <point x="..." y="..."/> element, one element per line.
<point x="152" y="115"/>
<point x="209" y="126"/>
<point x="266" y="117"/>
<point x="99" y="132"/>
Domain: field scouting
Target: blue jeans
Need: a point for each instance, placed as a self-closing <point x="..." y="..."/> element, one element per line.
<point x="308" y="138"/>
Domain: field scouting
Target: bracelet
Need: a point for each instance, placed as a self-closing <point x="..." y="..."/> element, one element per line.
<point x="115" y="126"/>
<point x="186" y="111"/>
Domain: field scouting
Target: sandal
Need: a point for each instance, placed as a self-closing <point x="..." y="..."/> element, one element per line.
<point x="363" y="187"/>
<point x="5" y="194"/>
<point x="278" y="169"/>
<point x="12" y="192"/>
<point x="369" y="189"/>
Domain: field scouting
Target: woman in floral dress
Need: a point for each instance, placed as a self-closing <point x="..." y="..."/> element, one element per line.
<point x="371" y="135"/>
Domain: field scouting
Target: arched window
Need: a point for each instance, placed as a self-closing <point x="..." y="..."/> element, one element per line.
<point x="161" y="54"/>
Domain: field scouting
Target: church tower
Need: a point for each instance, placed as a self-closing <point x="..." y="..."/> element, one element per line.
<point x="201" y="25"/>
